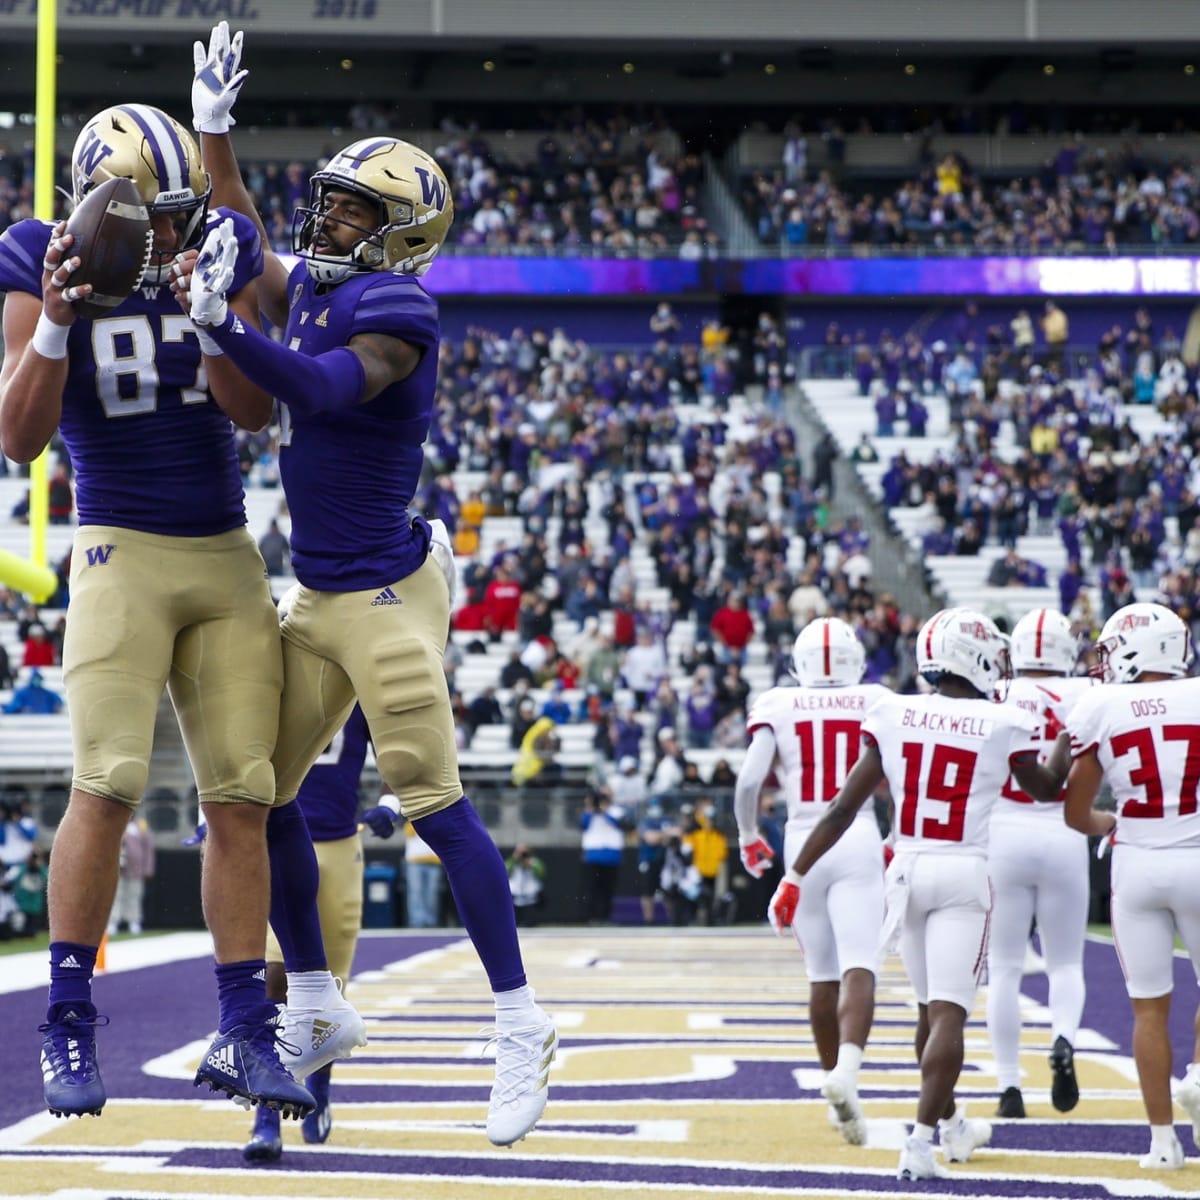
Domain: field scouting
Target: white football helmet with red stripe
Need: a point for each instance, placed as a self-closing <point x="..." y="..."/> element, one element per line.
<point x="963" y="642"/>
<point x="828" y="654"/>
<point x="1043" y="640"/>
<point x="1140" y="638"/>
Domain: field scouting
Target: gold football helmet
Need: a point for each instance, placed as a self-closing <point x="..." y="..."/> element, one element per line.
<point x="415" y="210"/>
<point x="146" y="145"/>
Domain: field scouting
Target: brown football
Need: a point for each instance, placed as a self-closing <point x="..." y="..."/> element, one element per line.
<point x="111" y="228"/>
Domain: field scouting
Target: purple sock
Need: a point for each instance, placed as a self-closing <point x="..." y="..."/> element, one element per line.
<point x="242" y="993"/>
<point x="294" y="879"/>
<point x="479" y="884"/>
<point x="71" y="967"/>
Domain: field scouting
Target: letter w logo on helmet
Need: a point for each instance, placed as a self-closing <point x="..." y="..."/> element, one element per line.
<point x="433" y="190"/>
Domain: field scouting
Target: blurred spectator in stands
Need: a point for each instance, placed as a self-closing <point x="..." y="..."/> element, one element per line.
<point x="732" y="690"/>
<point x="137" y="866"/>
<point x="795" y="153"/>
<point x="1116" y="591"/>
<point x="34" y="697"/>
<point x="536" y="764"/>
<point x="515" y="671"/>
<point x="732" y="627"/>
<point x="807" y="600"/>
<point x="825" y="454"/>
<point x="27" y="884"/>
<point x="556" y="706"/>
<point x="273" y="546"/>
<point x="20" y="510"/>
<point x="645" y="663"/>
<point x="1056" y="329"/>
<point x="501" y="603"/>
<point x="603" y="667"/>
<point x="722" y="775"/>
<point x="7" y="679"/>
<point x="524" y="715"/>
<point x="664" y="708"/>
<point x="968" y="541"/>
<point x="62" y="501"/>
<point x="710" y="850"/>
<point x="664" y="323"/>
<point x="654" y="830"/>
<point x="627" y="786"/>
<point x="527" y="883"/>
<point x="700" y="707"/>
<point x="885" y="414"/>
<point x="39" y="650"/>
<point x="603" y="844"/>
<point x="777" y="621"/>
<point x="1023" y="336"/>
<point x="668" y="771"/>
<point x="484" y="709"/>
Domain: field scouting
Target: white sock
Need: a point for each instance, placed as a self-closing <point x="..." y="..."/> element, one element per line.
<point x="512" y="1007"/>
<point x="309" y="989"/>
<point x="1162" y="1137"/>
<point x="923" y="1133"/>
<point x="849" y="1060"/>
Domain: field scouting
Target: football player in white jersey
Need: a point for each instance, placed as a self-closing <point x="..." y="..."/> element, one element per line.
<point x="813" y="730"/>
<point x="946" y="756"/>
<point x="1139" y="731"/>
<point x="1039" y="868"/>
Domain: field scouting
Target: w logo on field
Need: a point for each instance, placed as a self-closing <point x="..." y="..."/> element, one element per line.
<point x="98" y="556"/>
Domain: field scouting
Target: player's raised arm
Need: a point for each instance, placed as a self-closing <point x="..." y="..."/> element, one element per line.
<point x="35" y="355"/>
<point x="218" y="78"/>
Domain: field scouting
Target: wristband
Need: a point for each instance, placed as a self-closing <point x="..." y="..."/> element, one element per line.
<point x="391" y="804"/>
<point x="50" y="339"/>
<point x="208" y="345"/>
<point x="792" y="876"/>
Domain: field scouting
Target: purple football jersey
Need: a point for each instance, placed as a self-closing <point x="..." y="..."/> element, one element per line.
<point x="151" y="449"/>
<point x="350" y="476"/>
<point x="329" y="793"/>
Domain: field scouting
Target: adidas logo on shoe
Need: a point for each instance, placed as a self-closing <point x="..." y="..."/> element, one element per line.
<point x="322" y="1031"/>
<point x="223" y="1061"/>
<point x="71" y="963"/>
<point x="387" y="596"/>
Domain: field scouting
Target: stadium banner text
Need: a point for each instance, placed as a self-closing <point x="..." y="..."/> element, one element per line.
<point x="810" y="22"/>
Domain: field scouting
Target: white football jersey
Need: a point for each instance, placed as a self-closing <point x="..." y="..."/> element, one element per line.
<point x="816" y="734"/>
<point x="946" y="760"/>
<point x="1147" y="739"/>
<point x="1048" y="699"/>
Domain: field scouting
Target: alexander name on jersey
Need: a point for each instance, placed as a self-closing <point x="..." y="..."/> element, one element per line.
<point x="838" y="700"/>
<point x="938" y="722"/>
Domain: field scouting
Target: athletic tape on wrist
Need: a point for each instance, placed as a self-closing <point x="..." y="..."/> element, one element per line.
<point x="49" y="339"/>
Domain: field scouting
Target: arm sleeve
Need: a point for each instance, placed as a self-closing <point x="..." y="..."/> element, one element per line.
<point x="330" y="382"/>
<point x="754" y="770"/>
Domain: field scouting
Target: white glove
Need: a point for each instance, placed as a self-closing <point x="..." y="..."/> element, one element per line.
<point x="217" y="81"/>
<point x="213" y="274"/>
<point x="287" y="600"/>
<point x="442" y="550"/>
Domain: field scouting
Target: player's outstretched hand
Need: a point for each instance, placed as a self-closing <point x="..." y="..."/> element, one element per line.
<point x="196" y="838"/>
<point x="782" y="910"/>
<point x="380" y="820"/>
<point x="756" y="856"/>
<point x="211" y="276"/>
<point x="217" y="81"/>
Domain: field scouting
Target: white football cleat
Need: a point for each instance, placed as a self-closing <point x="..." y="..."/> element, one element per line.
<point x="843" y="1100"/>
<point x="1187" y="1096"/>
<point x="1167" y="1156"/>
<point x="960" y="1138"/>
<point x="311" y="1038"/>
<point x="917" y="1161"/>
<point x="523" y="1058"/>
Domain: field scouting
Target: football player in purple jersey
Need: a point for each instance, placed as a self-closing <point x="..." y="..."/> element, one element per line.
<point x="168" y="589"/>
<point x="355" y="377"/>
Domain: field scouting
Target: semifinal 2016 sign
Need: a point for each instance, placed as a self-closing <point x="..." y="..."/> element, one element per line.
<point x="469" y="274"/>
